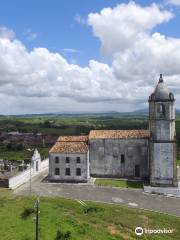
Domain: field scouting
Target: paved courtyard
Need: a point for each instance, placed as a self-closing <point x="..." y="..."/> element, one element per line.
<point x="129" y="197"/>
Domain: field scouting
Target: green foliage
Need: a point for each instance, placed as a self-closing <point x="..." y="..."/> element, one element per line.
<point x="119" y="183"/>
<point x="69" y="125"/>
<point x="73" y="125"/>
<point x="14" y="153"/>
<point x="14" y="146"/>
<point x="47" y="124"/>
<point x="27" y="212"/>
<point x="63" y="235"/>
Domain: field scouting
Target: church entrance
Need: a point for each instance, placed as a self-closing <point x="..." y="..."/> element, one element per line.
<point x="137" y="171"/>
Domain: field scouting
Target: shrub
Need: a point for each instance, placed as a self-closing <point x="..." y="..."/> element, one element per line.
<point x="63" y="235"/>
<point x="90" y="209"/>
<point x="27" y="212"/>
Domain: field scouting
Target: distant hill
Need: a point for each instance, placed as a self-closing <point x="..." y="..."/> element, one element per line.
<point x="139" y="112"/>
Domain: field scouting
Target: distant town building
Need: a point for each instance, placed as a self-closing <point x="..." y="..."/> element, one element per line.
<point x="136" y="154"/>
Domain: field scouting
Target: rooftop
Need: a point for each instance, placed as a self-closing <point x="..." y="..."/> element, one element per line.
<point x="69" y="147"/>
<point x="161" y="91"/>
<point x="73" y="139"/>
<point x="103" y="134"/>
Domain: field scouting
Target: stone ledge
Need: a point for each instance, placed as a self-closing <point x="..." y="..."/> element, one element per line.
<point x="167" y="191"/>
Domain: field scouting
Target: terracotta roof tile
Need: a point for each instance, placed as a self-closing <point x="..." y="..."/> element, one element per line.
<point x="102" y="134"/>
<point x="69" y="147"/>
<point x="73" y="139"/>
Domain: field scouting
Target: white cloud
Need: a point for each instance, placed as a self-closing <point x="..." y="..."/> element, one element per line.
<point x="138" y="54"/>
<point x="40" y="73"/>
<point x="42" y="81"/>
<point x="118" y="27"/>
<point x="6" y="33"/>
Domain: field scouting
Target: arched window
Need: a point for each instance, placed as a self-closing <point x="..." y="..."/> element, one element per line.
<point x="171" y="96"/>
<point x="162" y="111"/>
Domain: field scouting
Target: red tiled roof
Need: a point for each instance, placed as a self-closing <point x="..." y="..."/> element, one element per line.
<point x="103" y="134"/>
<point x="73" y="139"/>
<point x="70" y="144"/>
<point x="69" y="147"/>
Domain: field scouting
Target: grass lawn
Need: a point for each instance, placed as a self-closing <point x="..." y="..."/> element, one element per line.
<point x="118" y="183"/>
<point x="94" y="222"/>
<point x="178" y="162"/>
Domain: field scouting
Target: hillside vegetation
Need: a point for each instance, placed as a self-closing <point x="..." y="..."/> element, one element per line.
<point x="71" y="125"/>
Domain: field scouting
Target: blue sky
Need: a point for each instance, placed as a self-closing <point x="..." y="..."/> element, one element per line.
<point x="79" y="56"/>
<point x="56" y="28"/>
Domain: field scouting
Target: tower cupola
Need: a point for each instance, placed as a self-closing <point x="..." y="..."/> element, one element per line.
<point x="161" y="92"/>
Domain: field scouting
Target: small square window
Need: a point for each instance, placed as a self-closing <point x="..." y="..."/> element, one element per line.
<point x="122" y="158"/>
<point x="67" y="159"/>
<point x="57" y="171"/>
<point x="68" y="172"/>
<point x="78" y="160"/>
<point x="56" y="159"/>
<point x="78" y="171"/>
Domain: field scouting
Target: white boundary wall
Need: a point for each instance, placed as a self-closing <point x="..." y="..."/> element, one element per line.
<point x="178" y="173"/>
<point x="24" y="176"/>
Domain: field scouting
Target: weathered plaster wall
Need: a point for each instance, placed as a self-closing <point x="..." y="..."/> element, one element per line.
<point x="105" y="157"/>
<point x="162" y="128"/>
<point x="163" y="171"/>
<point x="62" y="165"/>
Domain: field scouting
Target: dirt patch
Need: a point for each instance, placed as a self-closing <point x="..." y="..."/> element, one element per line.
<point x="113" y="230"/>
<point x="146" y="220"/>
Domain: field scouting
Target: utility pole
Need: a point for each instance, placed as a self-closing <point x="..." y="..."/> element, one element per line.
<point x="30" y="187"/>
<point x="37" y="219"/>
<point x="30" y="176"/>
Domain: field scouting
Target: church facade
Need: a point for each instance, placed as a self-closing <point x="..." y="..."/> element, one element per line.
<point x="135" y="154"/>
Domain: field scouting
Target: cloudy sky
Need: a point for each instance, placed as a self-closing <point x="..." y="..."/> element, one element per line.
<point x="86" y="56"/>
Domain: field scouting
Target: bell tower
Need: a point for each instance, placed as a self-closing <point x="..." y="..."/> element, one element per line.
<point x="162" y="136"/>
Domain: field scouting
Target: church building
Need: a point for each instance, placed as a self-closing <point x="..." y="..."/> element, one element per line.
<point x="148" y="154"/>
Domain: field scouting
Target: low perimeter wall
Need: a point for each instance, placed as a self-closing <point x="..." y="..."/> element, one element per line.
<point x="178" y="173"/>
<point x="24" y="176"/>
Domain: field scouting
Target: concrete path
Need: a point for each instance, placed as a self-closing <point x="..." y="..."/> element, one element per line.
<point x="129" y="197"/>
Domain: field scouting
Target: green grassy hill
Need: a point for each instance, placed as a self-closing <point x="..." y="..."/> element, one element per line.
<point x="95" y="221"/>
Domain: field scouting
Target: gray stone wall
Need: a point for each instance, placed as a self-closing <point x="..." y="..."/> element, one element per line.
<point x="73" y="165"/>
<point x="162" y="144"/>
<point x="162" y="128"/>
<point x="106" y="159"/>
<point x="162" y="155"/>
